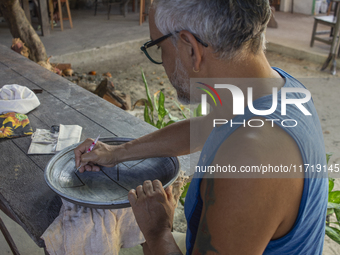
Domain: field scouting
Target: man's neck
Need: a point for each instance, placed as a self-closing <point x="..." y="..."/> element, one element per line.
<point x="253" y="71"/>
<point x="250" y="66"/>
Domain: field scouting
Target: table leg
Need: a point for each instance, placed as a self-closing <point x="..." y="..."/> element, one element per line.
<point x="8" y="238"/>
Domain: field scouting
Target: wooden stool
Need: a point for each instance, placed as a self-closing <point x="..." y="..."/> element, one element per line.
<point x="60" y="13"/>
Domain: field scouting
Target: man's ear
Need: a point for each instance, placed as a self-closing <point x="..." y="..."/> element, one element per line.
<point x="192" y="47"/>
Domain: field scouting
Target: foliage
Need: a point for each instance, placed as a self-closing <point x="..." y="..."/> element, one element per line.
<point x="156" y="105"/>
<point x="184" y="193"/>
<point x="333" y="208"/>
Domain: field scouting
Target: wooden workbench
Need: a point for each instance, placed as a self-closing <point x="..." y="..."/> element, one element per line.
<point x="24" y="195"/>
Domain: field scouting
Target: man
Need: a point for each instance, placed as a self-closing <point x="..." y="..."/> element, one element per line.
<point x="224" y="39"/>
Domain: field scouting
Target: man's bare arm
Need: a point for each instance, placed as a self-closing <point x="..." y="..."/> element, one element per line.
<point x="241" y="216"/>
<point x="173" y="140"/>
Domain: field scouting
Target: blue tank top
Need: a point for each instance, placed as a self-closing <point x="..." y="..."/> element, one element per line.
<point x="308" y="232"/>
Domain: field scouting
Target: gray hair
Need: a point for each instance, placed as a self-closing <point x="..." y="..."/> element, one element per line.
<point x="227" y="25"/>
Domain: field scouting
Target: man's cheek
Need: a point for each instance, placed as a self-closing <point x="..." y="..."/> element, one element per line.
<point x="169" y="70"/>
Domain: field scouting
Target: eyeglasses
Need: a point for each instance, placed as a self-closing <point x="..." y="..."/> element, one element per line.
<point x="154" y="53"/>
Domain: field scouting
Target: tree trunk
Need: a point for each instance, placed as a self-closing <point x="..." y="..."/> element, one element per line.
<point x="21" y="28"/>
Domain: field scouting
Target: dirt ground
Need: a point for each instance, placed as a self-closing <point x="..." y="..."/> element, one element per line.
<point x="325" y="90"/>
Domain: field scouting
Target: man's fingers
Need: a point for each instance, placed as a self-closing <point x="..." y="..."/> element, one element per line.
<point x="168" y="192"/>
<point x="89" y="157"/>
<point x="81" y="149"/>
<point x="157" y="186"/>
<point x="88" y="168"/>
<point x="140" y="191"/>
<point x="81" y="170"/>
<point x="132" y="197"/>
<point x="148" y="188"/>
<point x="95" y="168"/>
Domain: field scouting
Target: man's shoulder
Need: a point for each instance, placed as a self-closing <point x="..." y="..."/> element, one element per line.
<point x="257" y="147"/>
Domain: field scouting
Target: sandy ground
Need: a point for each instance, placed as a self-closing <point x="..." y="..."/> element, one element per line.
<point x="325" y="90"/>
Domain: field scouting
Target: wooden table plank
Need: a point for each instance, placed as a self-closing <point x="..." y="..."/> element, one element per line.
<point x="25" y="192"/>
<point x="113" y="118"/>
<point x="54" y="112"/>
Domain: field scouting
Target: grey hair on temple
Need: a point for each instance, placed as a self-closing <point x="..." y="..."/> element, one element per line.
<point x="227" y="25"/>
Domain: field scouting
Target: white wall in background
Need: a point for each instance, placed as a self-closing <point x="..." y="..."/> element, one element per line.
<point x="300" y="6"/>
<point x="286" y="5"/>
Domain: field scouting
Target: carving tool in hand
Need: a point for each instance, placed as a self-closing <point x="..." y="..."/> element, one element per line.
<point x="89" y="150"/>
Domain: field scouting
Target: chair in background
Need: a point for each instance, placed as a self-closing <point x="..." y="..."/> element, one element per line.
<point x="325" y="20"/>
<point x="60" y="13"/>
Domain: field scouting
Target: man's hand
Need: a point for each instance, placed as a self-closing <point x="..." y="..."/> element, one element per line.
<point x="154" y="210"/>
<point x="102" y="154"/>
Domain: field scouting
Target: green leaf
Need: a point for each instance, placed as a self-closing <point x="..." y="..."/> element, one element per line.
<point x="147" y="116"/>
<point x="328" y="156"/>
<point x="161" y="108"/>
<point x="169" y="123"/>
<point x="198" y="111"/>
<point x="179" y="107"/>
<point x="330" y="185"/>
<point x="337" y="213"/>
<point x="333" y="233"/>
<point x="173" y="118"/>
<point x="334" y="197"/>
<point x="336" y="223"/>
<point x="185" y="190"/>
<point x="333" y="206"/>
<point x="159" y="124"/>
<point x="155" y="99"/>
<point x="147" y="91"/>
<point x="330" y="211"/>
